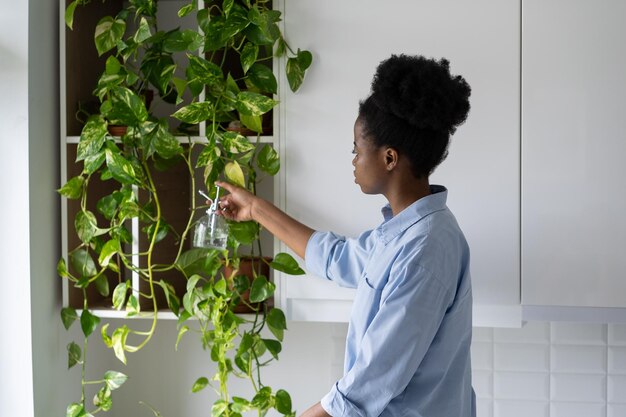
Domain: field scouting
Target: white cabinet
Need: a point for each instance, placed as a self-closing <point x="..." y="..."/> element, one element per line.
<point x="573" y="150"/>
<point x="349" y="38"/>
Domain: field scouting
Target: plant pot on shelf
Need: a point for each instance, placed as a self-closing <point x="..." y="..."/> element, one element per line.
<point x="247" y="265"/>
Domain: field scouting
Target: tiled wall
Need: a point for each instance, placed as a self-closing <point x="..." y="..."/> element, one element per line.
<point x="550" y="370"/>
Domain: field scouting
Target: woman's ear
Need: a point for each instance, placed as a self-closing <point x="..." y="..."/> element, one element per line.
<point x="391" y="158"/>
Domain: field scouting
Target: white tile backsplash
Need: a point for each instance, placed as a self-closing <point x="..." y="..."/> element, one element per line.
<point x="617" y="359"/>
<point x="556" y="369"/>
<point x="521" y="385"/>
<point x="616" y="410"/>
<point x="578" y="359"/>
<point x="582" y="388"/>
<point x="482" y="355"/>
<point x="617" y="389"/>
<point x="482" y="381"/>
<point x="579" y="333"/>
<point x="531" y="333"/>
<point x="559" y="409"/>
<point x="522" y="357"/>
<point x="617" y="334"/>
<point x="508" y="408"/>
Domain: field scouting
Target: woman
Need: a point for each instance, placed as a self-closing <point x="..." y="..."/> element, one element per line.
<point x="408" y="343"/>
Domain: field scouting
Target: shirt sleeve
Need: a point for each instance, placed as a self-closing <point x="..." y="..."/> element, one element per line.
<point x="412" y="307"/>
<point x="338" y="258"/>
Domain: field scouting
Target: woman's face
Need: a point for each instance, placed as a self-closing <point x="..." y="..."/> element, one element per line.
<point x="370" y="169"/>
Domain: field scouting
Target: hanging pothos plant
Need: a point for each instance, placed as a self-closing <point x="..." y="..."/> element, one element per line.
<point x="228" y="81"/>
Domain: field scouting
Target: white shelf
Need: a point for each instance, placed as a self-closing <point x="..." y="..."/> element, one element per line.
<point x="185" y="139"/>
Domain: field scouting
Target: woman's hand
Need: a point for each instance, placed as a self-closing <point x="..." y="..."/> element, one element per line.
<point x="237" y="205"/>
<point x="241" y="205"/>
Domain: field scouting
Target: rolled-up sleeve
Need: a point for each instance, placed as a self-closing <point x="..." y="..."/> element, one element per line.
<point x="412" y="307"/>
<point x="337" y="258"/>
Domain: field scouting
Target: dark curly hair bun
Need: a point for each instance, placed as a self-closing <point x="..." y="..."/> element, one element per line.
<point x="421" y="92"/>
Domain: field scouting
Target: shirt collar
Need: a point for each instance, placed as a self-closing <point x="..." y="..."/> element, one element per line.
<point x="392" y="226"/>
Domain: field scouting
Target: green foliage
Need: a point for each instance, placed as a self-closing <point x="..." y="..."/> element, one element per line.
<point x="140" y="58"/>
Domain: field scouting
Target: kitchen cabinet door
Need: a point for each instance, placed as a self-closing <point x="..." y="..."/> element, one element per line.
<point x="573" y="149"/>
<point x="348" y="40"/>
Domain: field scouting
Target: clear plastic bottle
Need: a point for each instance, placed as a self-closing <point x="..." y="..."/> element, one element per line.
<point x="211" y="231"/>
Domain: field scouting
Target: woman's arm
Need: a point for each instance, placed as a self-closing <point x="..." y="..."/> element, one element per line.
<point x="242" y="205"/>
<point x="316" y="411"/>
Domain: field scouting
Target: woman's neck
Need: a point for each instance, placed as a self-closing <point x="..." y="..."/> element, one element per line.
<point x="403" y="193"/>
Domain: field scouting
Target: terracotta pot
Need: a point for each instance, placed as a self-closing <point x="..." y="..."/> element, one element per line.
<point x="117" y="130"/>
<point x="246" y="266"/>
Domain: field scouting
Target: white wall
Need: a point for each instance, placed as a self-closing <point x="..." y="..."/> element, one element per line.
<point x="32" y="353"/>
<point x="16" y="382"/>
<point x="49" y="355"/>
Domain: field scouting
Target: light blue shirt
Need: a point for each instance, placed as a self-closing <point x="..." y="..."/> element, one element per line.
<point x="408" y="343"/>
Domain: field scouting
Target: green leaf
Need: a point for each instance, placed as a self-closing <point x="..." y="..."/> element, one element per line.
<point x="240" y="405"/>
<point x="165" y="144"/>
<point x="68" y="316"/>
<point x="121" y="169"/>
<point x="114" y="379"/>
<point x="74" y="354"/>
<point x="173" y="302"/>
<point x="234" y="142"/>
<point x="93" y="162"/>
<point x="62" y="269"/>
<point x="295" y="74"/>
<point x="118" y="340"/>
<point x="274" y="347"/>
<point x="112" y="67"/>
<point x="200" y="384"/>
<point x="296" y="68"/>
<point x="92" y="137"/>
<point x="199" y="261"/>
<point x="159" y="70"/>
<point x="143" y="32"/>
<point x="247" y="340"/>
<point x="254" y="123"/>
<point x="107" y="206"/>
<point x="219" y="408"/>
<point x="195" y="112"/>
<point x="286" y="263"/>
<point x="283" y="402"/>
<point x="76" y="410"/>
<point x="102" y="285"/>
<point x="234" y="173"/>
<point x="248" y="56"/>
<point x="102" y="399"/>
<point x="86" y="226"/>
<point x="73" y="189"/>
<point x="69" y="14"/>
<point x="82" y="263"/>
<point x="132" y="306"/>
<point x="277" y="322"/>
<point x="253" y="104"/>
<point x="105" y="337"/>
<point x="209" y="155"/>
<point x="185" y="40"/>
<point x="244" y="232"/>
<point x="181" y="332"/>
<point x="125" y="107"/>
<point x="261" y="289"/>
<point x="108" y="33"/>
<point x="185" y="10"/>
<point x="108" y="251"/>
<point x="263" y="78"/>
<point x="268" y="160"/>
<point x="88" y="322"/>
<point x="262" y="399"/>
<point x="119" y="294"/>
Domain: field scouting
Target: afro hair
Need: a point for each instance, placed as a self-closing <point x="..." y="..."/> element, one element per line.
<point x="415" y="106"/>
